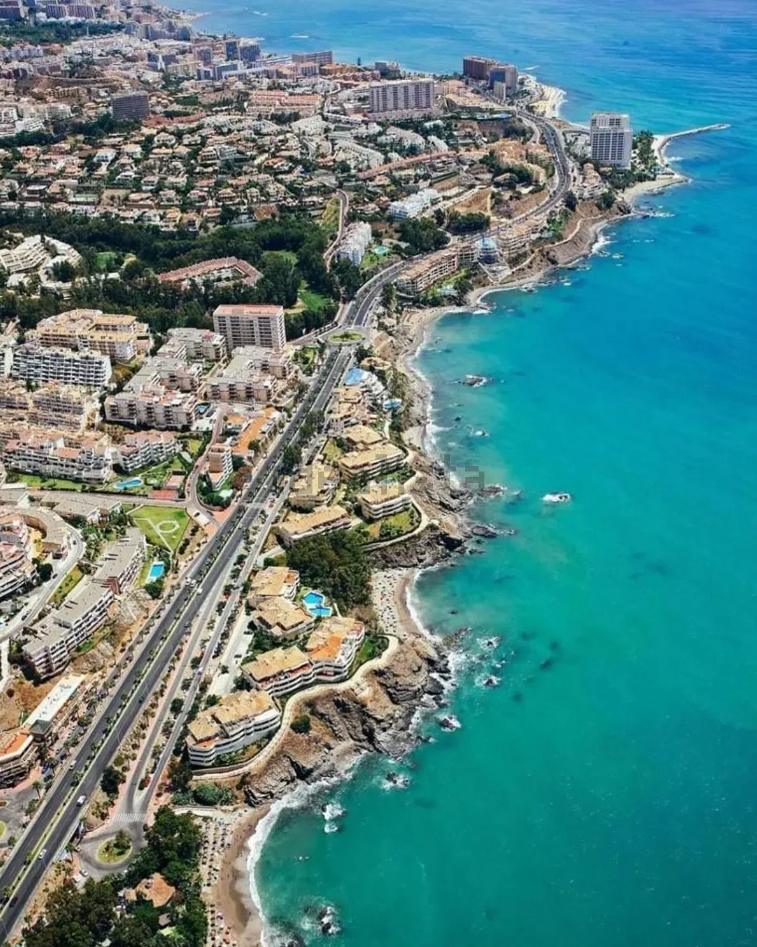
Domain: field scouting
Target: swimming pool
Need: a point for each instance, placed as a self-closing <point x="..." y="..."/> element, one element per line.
<point x="156" y="571"/>
<point x="128" y="484"/>
<point x="315" y="603"/>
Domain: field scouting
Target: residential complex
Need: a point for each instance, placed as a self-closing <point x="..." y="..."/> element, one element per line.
<point x="242" y="325"/>
<point x="303" y="525"/>
<point x="384" y="499"/>
<point x="236" y="722"/>
<point x="366" y="464"/>
<point x="355" y="242"/>
<point x="277" y="616"/>
<point x="274" y="582"/>
<point x="145" y="449"/>
<point x="16" y="553"/>
<point x="226" y="270"/>
<point x="195" y="344"/>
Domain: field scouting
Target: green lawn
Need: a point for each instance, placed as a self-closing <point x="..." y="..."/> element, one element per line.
<point x="110" y="852"/>
<point x="161" y="525"/>
<point x="399" y="524"/>
<point x="46" y="483"/>
<point x="312" y="300"/>
<point x="286" y="254"/>
<point x="67" y="585"/>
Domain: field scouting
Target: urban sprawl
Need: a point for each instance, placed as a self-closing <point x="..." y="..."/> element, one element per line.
<point x="209" y="255"/>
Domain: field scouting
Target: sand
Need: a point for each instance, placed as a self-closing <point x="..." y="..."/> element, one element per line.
<point x="232" y="893"/>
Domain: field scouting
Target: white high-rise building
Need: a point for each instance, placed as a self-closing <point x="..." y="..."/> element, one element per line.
<point x="611" y="138"/>
<point x="251" y="325"/>
<point x="402" y="97"/>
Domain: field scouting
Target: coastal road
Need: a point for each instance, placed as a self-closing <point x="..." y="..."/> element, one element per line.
<point x="59" y="814"/>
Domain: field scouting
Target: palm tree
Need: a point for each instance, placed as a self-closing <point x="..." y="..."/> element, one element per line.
<point x="37" y="785"/>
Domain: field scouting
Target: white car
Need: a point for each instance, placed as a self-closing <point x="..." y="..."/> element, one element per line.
<point x="42" y="854"/>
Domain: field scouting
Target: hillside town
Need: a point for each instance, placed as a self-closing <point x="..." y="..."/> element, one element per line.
<point x="213" y="260"/>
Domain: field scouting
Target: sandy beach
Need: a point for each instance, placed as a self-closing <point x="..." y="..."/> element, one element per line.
<point x="231" y="896"/>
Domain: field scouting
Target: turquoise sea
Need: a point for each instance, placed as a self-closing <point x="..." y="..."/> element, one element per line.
<point x="606" y="792"/>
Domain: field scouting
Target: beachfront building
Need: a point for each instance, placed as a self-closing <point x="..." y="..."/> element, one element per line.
<point x="280" y="672"/>
<point x="274" y="582"/>
<point x="236" y="722"/>
<point x="477" y="67"/>
<point x="251" y="325"/>
<point x="504" y="74"/>
<point x="281" y="618"/>
<point x="333" y="646"/>
<point x="383" y="499"/>
<point x="611" y="139"/>
<point x="121" y="337"/>
<point x="367" y="464"/>
<point x="304" y="525"/>
<point x="422" y="275"/>
<point x="315" y="486"/>
<point x="362" y="437"/>
<point x="56" y="637"/>
<point x="40" y="364"/>
<point x="145" y="449"/>
<point x="402" y="98"/>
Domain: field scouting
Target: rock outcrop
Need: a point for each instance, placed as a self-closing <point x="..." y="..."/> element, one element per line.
<point x="373" y="715"/>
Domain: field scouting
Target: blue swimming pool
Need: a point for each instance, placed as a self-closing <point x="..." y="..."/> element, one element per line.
<point x="128" y="484"/>
<point x="315" y="603"/>
<point x="156" y="571"/>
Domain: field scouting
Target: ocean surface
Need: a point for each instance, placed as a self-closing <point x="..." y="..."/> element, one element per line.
<point x="606" y="792"/>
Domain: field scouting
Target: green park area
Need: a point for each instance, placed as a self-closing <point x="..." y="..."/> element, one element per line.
<point x="162" y="526"/>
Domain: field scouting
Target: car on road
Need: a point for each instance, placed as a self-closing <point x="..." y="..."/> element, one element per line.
<point x="72" y="764"/>
<point x="42" y="854"/>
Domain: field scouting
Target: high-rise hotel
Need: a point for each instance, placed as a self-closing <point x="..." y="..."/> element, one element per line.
<point x="404" y="97"/>
<point x="611" y="139"/>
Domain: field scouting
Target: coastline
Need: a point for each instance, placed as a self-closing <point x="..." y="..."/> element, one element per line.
<point x="392" y="587"/>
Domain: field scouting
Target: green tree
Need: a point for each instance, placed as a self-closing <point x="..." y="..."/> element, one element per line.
<point x="110" y="780"/>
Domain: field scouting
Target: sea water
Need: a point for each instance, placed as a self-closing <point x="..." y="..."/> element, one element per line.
<point x="604" y="793"/>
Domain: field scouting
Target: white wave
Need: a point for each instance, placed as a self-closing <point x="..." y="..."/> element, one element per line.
<point x="300" y="36"/>
<point x="333" y="811"/>
<point x="296" y="799"/>
<point x="330" y="827"/>
<point x="602" y="242"/>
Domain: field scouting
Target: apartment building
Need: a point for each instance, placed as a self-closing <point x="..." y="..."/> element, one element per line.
<point x="18" y="754"/>
<point x="281" y="618"/>
<point x="239" y="720"/>
<point x="506" y="75"/>
<point x="56" y="637"/>
<point x="63" y="406"/>
<point x="611" y="139"/>
<point x="224" y="270"/>
<point x="383" y="499"/>
<point x="477" y="67"/>
<point x="367" y="464"/>
<point x="131" y="107"/>
<point x="304" y="525"/>
<point x="423" y="274"/>
<point x="16" y="553"/>
<point x="280" y="672"/>
<point x="243" y="325"/>
<point x="274" y="582"/>
<point x="56" y="537"/>
<point x="414" y="204"/>
<point x="121" y="561"/>
<point x="145" y="449"/>
<point x="37" y="253"/>
<point x="195" y="345"/>
<point x="40" y="364"/>
<point x="174" y="373"/>
<point x="333" y="647"/>
<point x="154" y="406"/>
<point x="220" y="464"/>
<point x="58" y="454"/>
<point x="323" y="57"/>
<point x="362" y="437"/>
<point x="402" y="97"/>
<point x="356" y="240"/>
<point x="315" y="486"/>
<point x="121" y="337"/>
<point x="254" y="375"/>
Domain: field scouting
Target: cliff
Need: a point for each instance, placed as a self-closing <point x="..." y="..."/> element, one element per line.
<point x="373" y="715"/>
